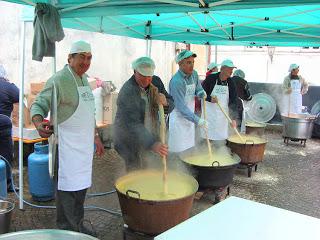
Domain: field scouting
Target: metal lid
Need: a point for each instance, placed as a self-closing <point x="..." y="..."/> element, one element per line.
<point x="315" y="110"/>
<point x="46" y="234"/>
<point x="261" y="108"/>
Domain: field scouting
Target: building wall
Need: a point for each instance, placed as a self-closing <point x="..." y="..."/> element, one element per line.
<point x="112" y="55"/>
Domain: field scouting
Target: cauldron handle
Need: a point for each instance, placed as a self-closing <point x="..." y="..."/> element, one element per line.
<point x="249" y="141"/>
<point x="132" y="191"/>
<point x="214" y="163"/>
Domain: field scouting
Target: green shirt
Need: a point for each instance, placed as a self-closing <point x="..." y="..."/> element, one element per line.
<point x="67" y="95"/>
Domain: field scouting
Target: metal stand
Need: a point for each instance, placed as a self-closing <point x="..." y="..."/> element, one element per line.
<point x="249" y="166"/>
<point x="129" y="234"/>
<point x="287" y="139"/>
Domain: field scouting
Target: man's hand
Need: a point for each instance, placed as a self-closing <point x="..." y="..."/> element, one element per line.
<point x="44" y="128"/>
<point x="203" y="124"/>
<point x="234" y="124"/>
<point x="162" y="99"/>
<point x="289" y="91"/>
<point x="161" y="149"/>
<point x="214" y="99"/>
<point x="99" y="146"/>
<point x="202" y="94"/>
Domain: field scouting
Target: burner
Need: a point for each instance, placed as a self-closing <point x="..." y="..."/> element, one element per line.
<point x="301" y="140"/>
<point x="129" y="234"/>
<point x="214" y="194"/>
<point x="249" y="166"/>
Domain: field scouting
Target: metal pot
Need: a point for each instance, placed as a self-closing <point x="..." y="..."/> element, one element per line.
<point x="6" y="208"/>
<point x="250" y="152"/>
<point x="298" y="126"/>
<point x="154" y="214"/>
<point x="216" y="174"/>
<point x="46" y="234"/>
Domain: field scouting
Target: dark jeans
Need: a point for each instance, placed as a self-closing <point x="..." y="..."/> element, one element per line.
<point x="6" y="151"/>
<point x="130" y="154"/>
<point x="70" y="209"/>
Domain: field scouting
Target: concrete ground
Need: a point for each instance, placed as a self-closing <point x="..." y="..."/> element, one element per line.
<point x="288" y="178"/>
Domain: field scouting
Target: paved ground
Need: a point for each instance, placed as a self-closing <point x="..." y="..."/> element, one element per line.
<point x="288" y="178"/>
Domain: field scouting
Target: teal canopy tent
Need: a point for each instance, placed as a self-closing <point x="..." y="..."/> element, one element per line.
<point x="226" y="22"/>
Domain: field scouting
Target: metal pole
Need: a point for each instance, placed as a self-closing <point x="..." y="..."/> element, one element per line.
<point x="216" y="54"/>
<point x="21" y="110"/>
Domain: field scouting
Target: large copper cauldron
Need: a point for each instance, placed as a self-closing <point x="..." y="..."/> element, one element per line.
<point x="254" y="128"/>
<point x="251" y="151"/>
<point x="147" y="208"/>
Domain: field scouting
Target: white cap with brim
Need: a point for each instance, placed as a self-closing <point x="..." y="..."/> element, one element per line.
<point x="144" y="65"/>
<point x="228" y="63"/>
<point x="293" y="66"/>
<point x="184" y="54"/>
<point x="212" y="66"/>
<point x="79" y="47"/>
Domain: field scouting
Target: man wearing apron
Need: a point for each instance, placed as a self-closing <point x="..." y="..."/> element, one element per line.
<point x="244" y="95"/>
<point x="183" y="87"/>
<point x="76" y="134"/>
<point x="294" y="86"/>
<point x="136" y="128"/>
<point x="220" y="88"/>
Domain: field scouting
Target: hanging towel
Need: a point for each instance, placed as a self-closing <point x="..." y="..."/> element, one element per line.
<point x="47" y="30"/>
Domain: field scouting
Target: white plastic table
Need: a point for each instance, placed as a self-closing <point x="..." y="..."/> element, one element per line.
<point x="240" y="219"/>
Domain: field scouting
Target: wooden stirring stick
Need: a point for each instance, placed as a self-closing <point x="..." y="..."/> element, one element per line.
<point x="163" y="140"/>
<point x="206" y="131"/>
<point x="229" y="119"/>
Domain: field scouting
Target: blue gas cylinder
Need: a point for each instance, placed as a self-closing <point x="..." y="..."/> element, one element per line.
<point x="40" y="184"/>
<point x="3" y="180"/>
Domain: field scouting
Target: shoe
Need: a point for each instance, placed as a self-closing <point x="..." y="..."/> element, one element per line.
<point x="88" y="231"/>
<point x="10" y="189"/>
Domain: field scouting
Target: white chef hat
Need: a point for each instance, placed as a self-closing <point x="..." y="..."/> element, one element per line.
<point x="3" y="72"/>
<point x="80" y="46"/>
<point x="239" y="73"/>
<point x="144" y="65"/>
<point x="293" y="66"/>
<point x="212" y="65"/>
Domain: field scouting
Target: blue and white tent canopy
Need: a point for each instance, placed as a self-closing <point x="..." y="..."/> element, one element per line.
<point x="226" y="22"/>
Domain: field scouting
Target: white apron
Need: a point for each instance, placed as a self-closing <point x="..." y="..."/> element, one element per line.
<point x="76" y="144"/>
<point x="181" y="130"/>
<point x="293" y="101"/>
<point x="218" y="126"/>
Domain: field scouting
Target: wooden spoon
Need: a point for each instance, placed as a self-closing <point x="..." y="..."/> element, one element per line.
<point x="230" y="121"/>
<point x="163" y="141"/>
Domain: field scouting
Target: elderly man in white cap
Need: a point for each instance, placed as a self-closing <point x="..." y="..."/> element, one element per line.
<point x="136" y="128"/>
<point x="183" y="87"/>
<point x="76" y="133"/>
<point x="220" y="88"/>
<point x="294" y="86"/>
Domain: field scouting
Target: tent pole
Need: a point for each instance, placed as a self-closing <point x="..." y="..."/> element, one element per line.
<point x="216" y="53"/>
<point x="21" y="108"/>
<point x="148" y="47"/>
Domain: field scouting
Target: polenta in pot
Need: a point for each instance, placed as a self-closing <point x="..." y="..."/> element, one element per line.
<point x="149" y="185"/>
<point x="248" y="139"/>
